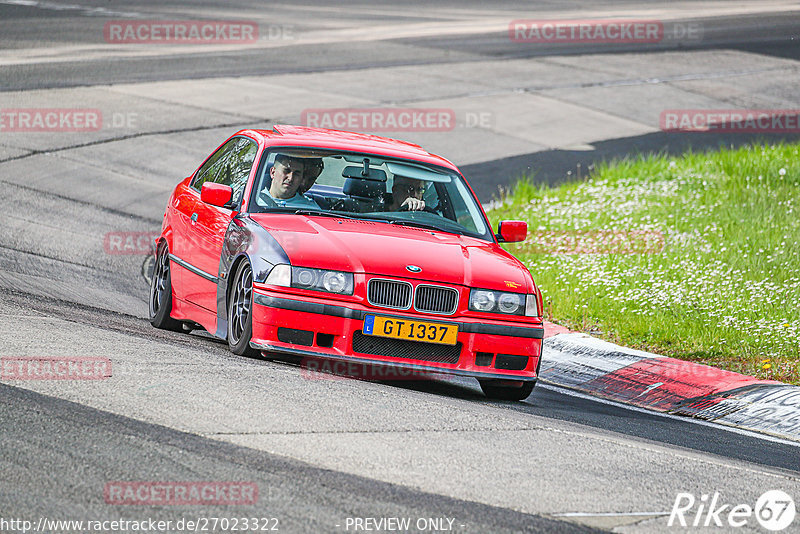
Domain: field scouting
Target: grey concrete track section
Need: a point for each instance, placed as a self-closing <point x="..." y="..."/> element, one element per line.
<point x="181" y="407"/>
<point x="439" y="438"/>
<point x="292" y="496"/>
<point x="518" y="108"/>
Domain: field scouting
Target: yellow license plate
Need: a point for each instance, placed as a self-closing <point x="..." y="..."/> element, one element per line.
<point x="446" y="334"/>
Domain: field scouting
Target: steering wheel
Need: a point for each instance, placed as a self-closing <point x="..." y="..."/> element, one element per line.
<point x="427" y="208"/>
<point x="264" y="200"/>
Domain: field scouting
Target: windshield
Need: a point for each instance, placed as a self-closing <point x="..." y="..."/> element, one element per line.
<point x="366" y="186"/>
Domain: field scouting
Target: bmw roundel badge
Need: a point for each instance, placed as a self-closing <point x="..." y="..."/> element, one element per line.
<point x="414" y="268"/>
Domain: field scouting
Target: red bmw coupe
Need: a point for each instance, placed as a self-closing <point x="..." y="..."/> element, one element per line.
<point x="345" y="246"/>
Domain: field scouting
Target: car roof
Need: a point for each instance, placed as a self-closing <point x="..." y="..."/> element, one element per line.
<point x="290" y="135"/>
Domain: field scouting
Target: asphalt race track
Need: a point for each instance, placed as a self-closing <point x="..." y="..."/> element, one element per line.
<point x="327" y="453"/>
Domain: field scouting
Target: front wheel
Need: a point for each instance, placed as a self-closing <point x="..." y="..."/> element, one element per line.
<point x="511" y="390"/>
<point x="161" y="293"/>
<point x="240" y="312"/>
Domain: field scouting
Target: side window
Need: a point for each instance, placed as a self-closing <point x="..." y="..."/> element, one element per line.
<point x="430" y="195"/>
<point x="465" y="209"/>
<point x="244" y="156"/>
<point x="211" y="169"/>
<point x="230" y="165"/>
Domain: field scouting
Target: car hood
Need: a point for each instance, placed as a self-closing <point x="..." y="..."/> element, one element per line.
<point x="378" y="248"/>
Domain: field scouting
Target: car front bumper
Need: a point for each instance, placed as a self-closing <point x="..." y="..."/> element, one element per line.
<point x="316" y="328"/>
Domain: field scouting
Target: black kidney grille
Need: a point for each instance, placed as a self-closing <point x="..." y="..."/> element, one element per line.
<point x="401" y="348"/>
<point x="389" y="294"/>
<point x="435" y="299"/>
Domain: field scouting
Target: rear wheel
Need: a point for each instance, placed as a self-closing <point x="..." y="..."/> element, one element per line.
<point x="512" y="390"/>
<point x="161" y="293"/>
<point x="240" y="312"/>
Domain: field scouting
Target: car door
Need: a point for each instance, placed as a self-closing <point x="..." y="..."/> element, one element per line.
<point x="179" y="212"/>
<point x="209" y="223"/>
<point x="185" y="277"/>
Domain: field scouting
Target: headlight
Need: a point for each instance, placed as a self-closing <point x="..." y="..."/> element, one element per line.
<point x="509" y="303"/>
<point x="322" y="280"/>
<point x="485" y="300"/>
<point x="480" y="300"/>
<point x="334" y="282"/>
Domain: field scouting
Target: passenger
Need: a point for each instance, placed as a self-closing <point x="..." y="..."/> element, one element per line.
<point x="407" y="194"/>
<point x="287" y="178"/>
<point x="313" y="168"/>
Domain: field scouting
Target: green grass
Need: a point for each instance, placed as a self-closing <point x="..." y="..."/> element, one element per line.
<point x="696" y="257"/>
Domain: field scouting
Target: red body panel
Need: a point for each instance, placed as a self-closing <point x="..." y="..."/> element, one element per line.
<point x="384" y="249"/>
<point x="208" y="232"/>
<point x="177" y="219"/>
<point x="367" y="249"/>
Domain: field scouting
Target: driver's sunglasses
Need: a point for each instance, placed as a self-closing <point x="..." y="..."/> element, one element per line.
<point x="411" y="189"/>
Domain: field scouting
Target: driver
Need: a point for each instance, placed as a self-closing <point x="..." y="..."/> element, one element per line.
<point x="287" y="179"/>
<point x="407" y="193"/>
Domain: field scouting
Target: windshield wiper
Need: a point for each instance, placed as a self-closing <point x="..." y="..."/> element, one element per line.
<point x="399" y="222"/>
<point x="322" y="213"/>
<point x="405" y="222"/>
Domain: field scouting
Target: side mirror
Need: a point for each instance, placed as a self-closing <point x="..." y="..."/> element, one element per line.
<point x="216" y="194"/>
<point x="512" y="231"/>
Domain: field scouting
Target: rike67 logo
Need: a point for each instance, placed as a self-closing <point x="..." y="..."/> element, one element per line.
<point x="774" y="511"/>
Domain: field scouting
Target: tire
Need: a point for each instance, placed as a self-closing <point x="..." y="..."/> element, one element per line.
<point x="161" y="293"/>
<point x="240" y="312"/>
<point x="502" y="390"/>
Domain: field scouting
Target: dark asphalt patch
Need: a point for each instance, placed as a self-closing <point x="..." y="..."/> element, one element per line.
<point x="59" y="455"/>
